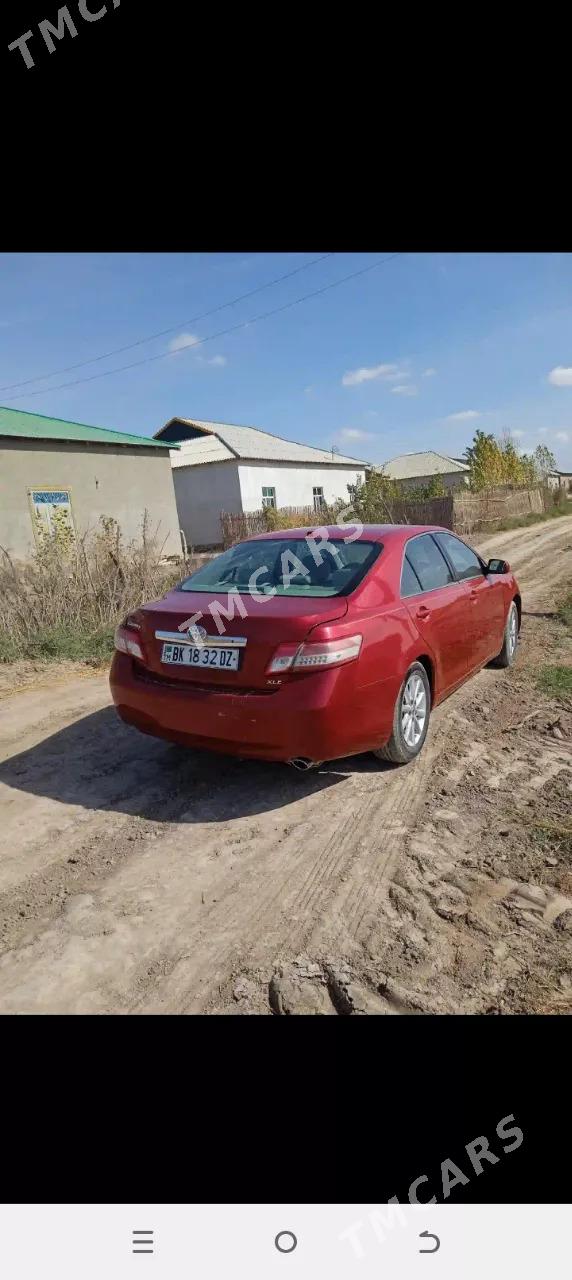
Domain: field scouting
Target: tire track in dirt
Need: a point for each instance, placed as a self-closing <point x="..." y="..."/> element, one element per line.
<point x="369" y="875"/>
<point x="318" y="859"/>
<point x="534" y="553"/>
<point x="342" y="874"/>
<point x="288" y="907"/>
<point x="250" y="919"/>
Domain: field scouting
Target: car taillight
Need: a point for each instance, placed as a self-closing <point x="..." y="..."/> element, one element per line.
<point x="309" y="656"/>
<point x="126" y="641"/>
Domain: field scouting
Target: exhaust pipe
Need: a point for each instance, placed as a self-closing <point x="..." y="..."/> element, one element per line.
<point x="302" y="762"/>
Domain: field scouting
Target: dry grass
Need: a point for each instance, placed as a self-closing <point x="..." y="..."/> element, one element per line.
<point x="562" y="508"/>
<point x="66" y="602"/>
<point x="565" y="611"/>
<point x="555" y="679"/>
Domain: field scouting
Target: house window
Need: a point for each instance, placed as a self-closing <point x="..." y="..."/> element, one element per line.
<point x="268" y="496"/>
<point x="51" y="513"/>
<point x="318" y="496"/>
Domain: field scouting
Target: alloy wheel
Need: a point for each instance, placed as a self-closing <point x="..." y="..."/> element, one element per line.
<point x="413" y="709"/>
<point x="512" y="629"/>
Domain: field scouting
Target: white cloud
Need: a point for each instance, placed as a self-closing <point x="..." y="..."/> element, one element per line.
<point x="518" y="434"/>
<point x="463" y="416"/>
<point x="429" y="373"/>
<point x="564" y="436"/>
<point x="405" y="389"/>
<point x="543" y="431"/>
<point x="183" y="340"/>
<point x="386" y="371"/>
<point x="560" y="376"/>
<point x="353" y="433"/>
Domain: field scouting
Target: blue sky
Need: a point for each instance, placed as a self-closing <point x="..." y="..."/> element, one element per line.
<point x="412" y="355"/>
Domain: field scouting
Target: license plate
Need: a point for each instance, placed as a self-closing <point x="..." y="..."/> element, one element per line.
<point x="216" y="659"/>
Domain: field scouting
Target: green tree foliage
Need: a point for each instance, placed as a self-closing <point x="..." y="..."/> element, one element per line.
<point x="374" y="499"/>
<point x="435" y="488"/>
<point x="371" y="499"/>
<point x="498" y="462"/>
<point x="543" y="461"/>
<point x="483" y="457"/>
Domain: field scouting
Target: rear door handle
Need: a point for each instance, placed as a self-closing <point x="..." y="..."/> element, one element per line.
<point x="423" y="612"/>
<point x="474" y="595"/>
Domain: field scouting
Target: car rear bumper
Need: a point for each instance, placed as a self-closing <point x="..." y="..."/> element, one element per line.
<point x="321" y="716"/>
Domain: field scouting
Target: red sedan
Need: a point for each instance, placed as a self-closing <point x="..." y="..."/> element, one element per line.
<point x="307" y="645"/>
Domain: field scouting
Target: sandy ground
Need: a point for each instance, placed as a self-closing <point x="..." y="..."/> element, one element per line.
<point x="138" y="877"/>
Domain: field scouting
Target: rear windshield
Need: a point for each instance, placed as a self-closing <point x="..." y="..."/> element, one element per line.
<point x="287" y="567"/>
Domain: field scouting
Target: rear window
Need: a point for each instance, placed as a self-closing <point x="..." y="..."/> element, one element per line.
<point x="410" y="584"/>
<point x="287" y="567"/>
<point x="429" y="563"/>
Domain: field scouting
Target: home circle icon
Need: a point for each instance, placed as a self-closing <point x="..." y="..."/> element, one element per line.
<point x="285" y="1241"/>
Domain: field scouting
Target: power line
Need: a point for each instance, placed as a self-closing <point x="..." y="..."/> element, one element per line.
<point x="265" y="315"/>
<point x="41" y="377"/>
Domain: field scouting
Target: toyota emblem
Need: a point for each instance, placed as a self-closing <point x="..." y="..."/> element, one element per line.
<point x="198" y="634"/>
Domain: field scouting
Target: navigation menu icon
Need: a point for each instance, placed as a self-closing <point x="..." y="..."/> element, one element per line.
<point x="142" y="1241"/>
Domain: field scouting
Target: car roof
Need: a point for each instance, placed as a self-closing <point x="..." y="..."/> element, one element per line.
<point x="370" y="532"/>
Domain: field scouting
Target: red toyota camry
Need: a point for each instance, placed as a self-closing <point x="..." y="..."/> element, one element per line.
<point x="311" y="644"/>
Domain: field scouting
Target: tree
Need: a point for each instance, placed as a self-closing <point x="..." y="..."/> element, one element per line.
<point x="484" y="457"/>
<point x="529" y="470"/>
<point x="510" y="461"/>
<point x="371" y="498"/>
<point x="497" y="462"/>
<point x="422" y="492"/>
<point x="543" y="461"/>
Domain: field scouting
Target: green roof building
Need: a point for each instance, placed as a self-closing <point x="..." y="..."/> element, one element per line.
<point x="54" y="470"/>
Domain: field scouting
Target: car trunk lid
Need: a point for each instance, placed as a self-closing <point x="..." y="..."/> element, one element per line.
<point x="263" y="624"/>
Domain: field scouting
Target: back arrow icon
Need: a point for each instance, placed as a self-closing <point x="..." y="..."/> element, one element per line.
<point x="430" y="1236"/>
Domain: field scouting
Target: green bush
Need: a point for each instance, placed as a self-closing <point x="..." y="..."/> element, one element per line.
<point x="55" y="643"/>
<point x="565" y="611"/>
<point x="555" y="680"/>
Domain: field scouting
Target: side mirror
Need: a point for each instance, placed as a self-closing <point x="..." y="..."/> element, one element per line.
<point x="498" y="566"/>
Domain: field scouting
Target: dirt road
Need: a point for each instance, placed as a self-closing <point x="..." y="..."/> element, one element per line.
<point x="138" y="877"/>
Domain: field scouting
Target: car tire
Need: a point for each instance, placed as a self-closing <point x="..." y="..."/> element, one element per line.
<point x="408" y="732"/>
<point x="507" y="654"/>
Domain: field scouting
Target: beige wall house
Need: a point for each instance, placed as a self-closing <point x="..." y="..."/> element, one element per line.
<point x="559" y="480"/>
<point x="65" y="471"/>
<point x="414" y="470"/>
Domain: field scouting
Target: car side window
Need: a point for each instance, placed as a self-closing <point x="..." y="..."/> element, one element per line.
<point x="429" y="563"/>
<point x="464" y="561"/>
<point x="410" y="584"/>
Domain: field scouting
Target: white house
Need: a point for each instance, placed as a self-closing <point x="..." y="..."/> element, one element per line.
<point x="413" y="470"/>
<point x="559" y="479"/>
<point x="219" y="467"/>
